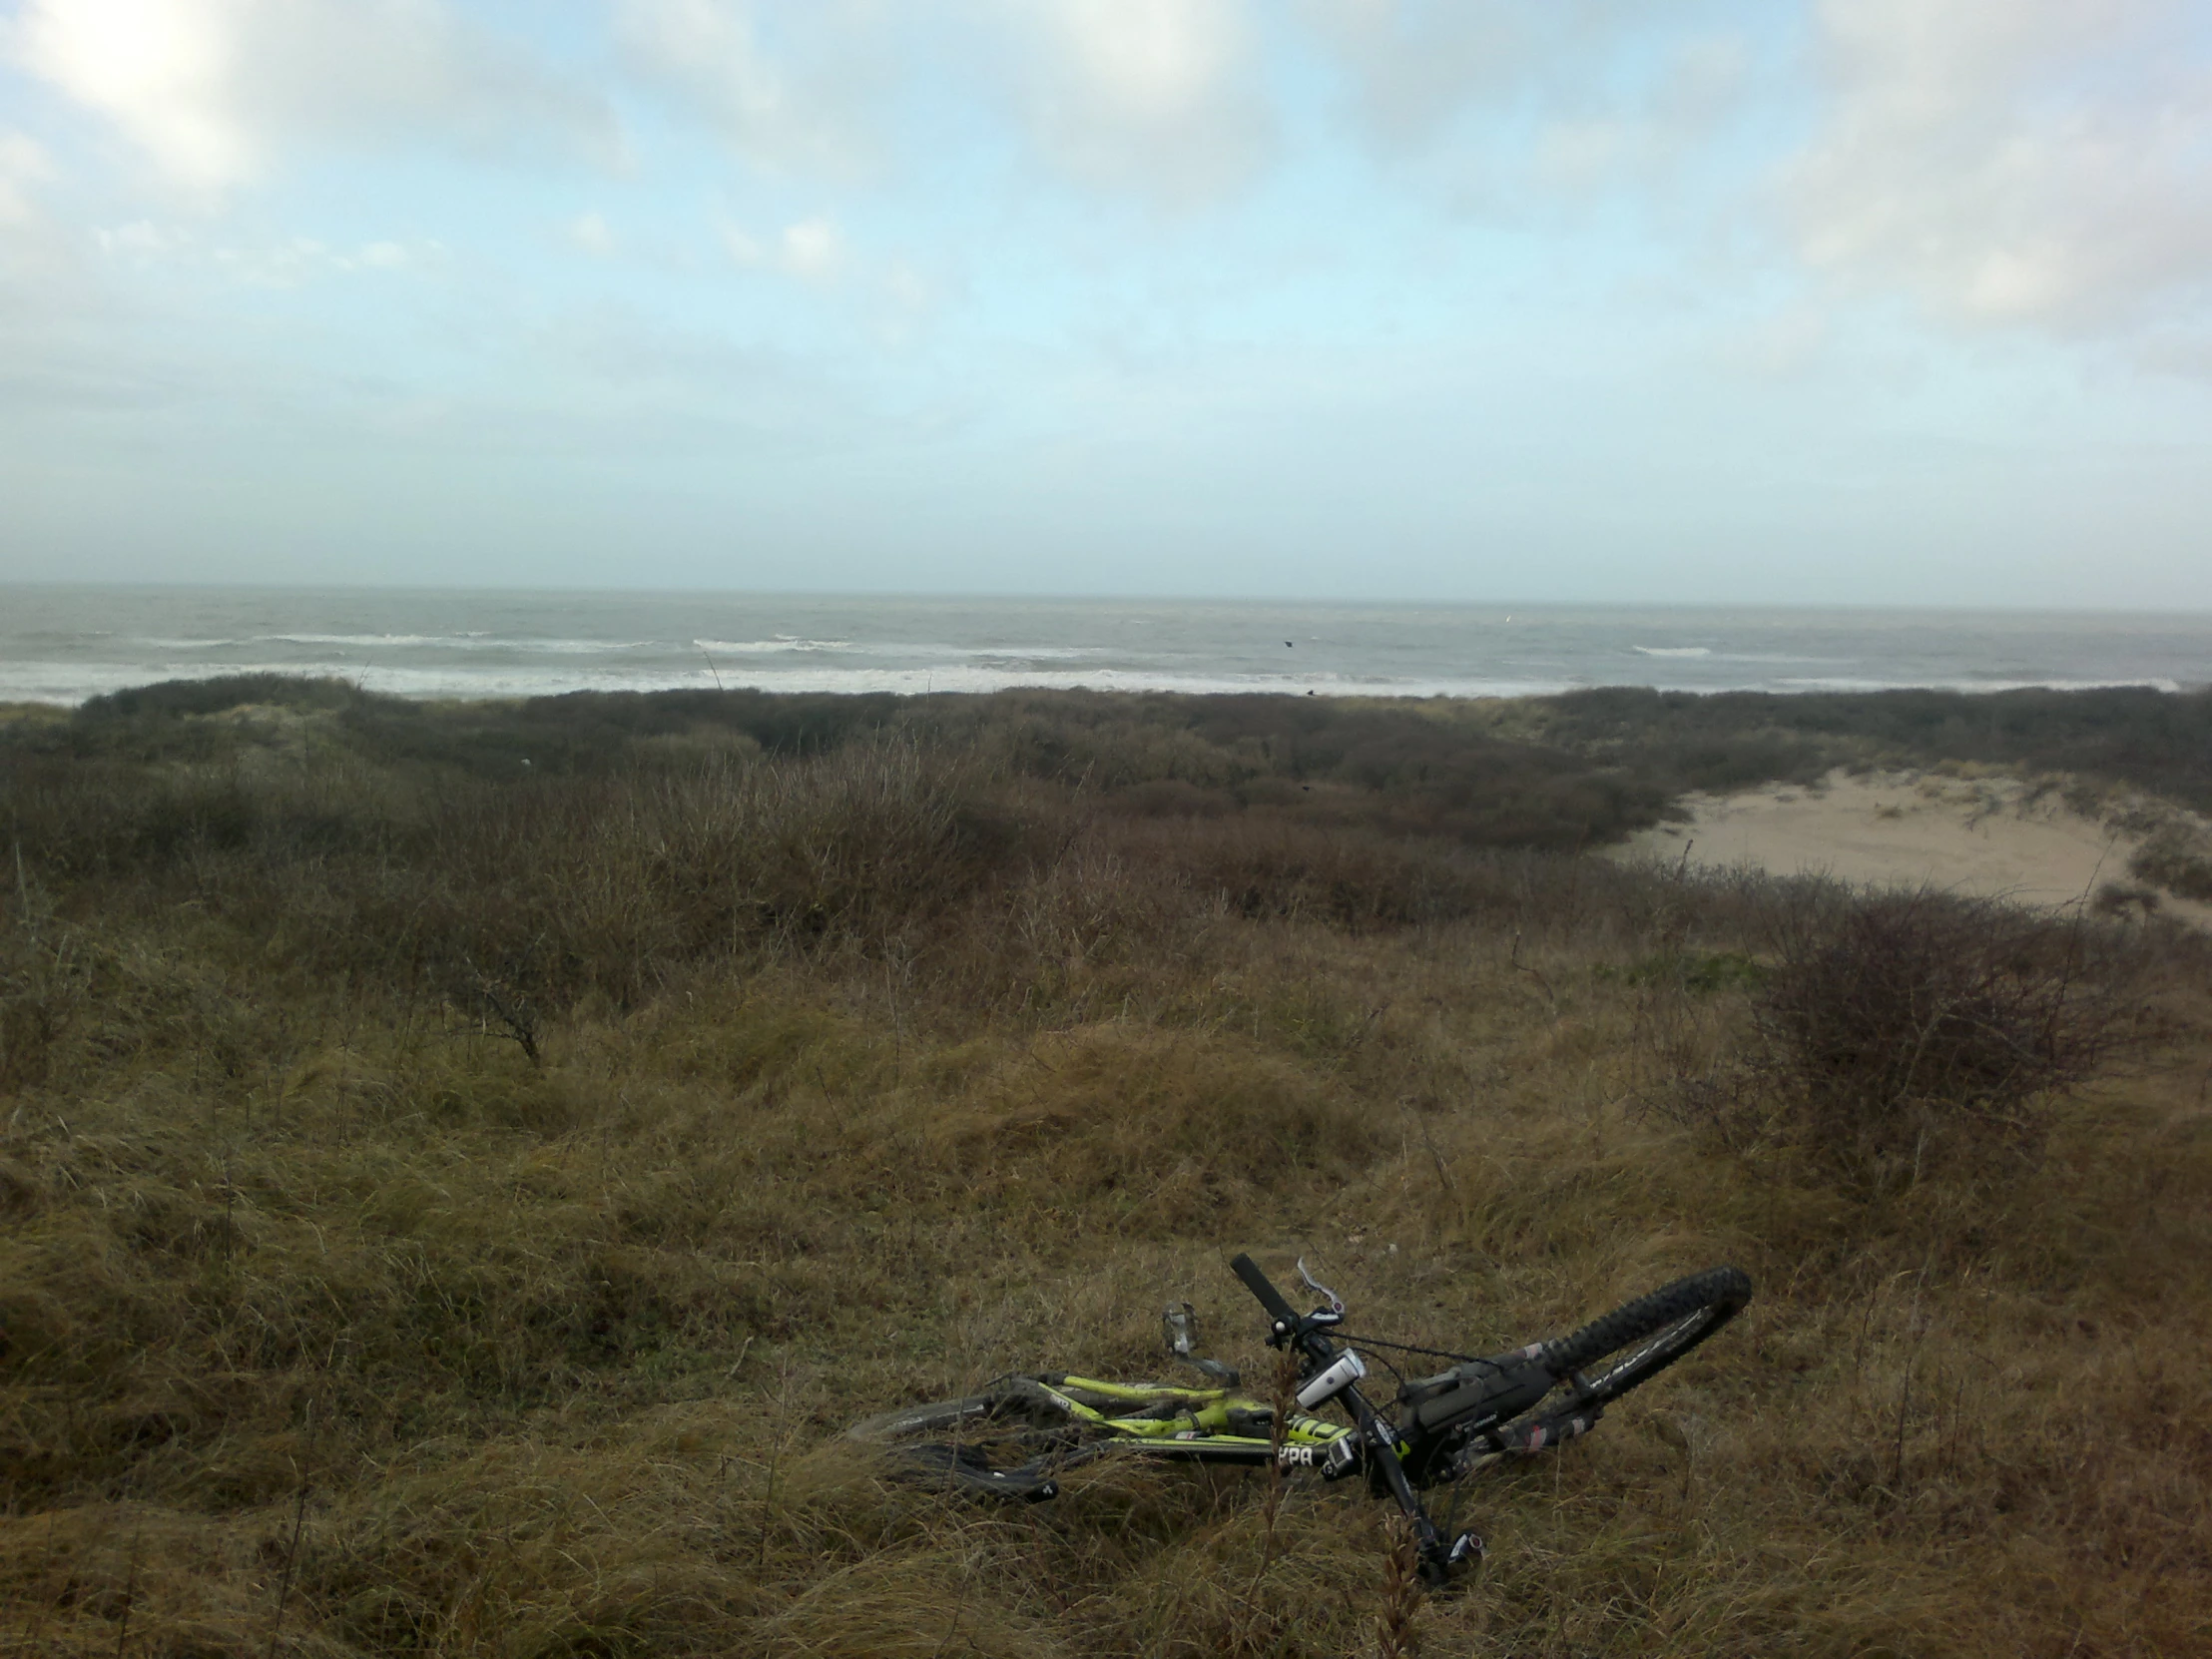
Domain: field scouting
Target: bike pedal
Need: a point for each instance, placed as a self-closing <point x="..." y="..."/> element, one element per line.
<point x="1466" y="1554"/>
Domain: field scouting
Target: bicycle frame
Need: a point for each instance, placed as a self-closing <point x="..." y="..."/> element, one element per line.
<point x="1195" y="1424"/>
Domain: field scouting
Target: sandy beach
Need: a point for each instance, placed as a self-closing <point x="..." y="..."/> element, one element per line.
<point x="1994" y="835"/>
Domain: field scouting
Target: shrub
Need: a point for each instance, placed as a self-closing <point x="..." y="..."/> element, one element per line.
<point x="2175" y="861"/>
<point x="219" y="695"/>
<point x="2118" y="898"/>
<point x="1879" y="1029"/>
<point x="2130" y="734"/>
<point x="1890" y="1017"/>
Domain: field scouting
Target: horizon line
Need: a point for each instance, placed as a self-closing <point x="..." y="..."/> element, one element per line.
<point x="1001" y="595"/>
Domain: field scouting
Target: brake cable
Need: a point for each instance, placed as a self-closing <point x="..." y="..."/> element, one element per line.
<point x="1409" y="1347"/>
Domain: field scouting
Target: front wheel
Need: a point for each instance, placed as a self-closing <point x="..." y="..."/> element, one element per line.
<point x="1636" y="1342"/>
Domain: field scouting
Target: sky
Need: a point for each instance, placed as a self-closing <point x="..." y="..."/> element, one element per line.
<point x="1774" y="302"/>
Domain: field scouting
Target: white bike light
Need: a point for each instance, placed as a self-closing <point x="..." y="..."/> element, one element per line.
<point x="1348" y="1368"/>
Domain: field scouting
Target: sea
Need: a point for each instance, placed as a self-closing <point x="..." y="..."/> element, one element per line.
<point x="63" y="644"/>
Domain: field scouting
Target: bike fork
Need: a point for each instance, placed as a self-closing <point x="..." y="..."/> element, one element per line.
<point x="1440" y="1559"/>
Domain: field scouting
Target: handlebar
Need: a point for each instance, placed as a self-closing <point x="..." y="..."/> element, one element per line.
<point x="1258" y="1283"/>
<point x="1301" y="1333"/>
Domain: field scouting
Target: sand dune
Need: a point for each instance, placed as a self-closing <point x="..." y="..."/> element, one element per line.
<point x="1986" y="835"/>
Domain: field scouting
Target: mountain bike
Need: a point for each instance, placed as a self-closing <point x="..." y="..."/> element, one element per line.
<point x="1018" y="1436"/>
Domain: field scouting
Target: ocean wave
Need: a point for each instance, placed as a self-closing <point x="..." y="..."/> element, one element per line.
<point x="354" y="640"/>
<point x="770" y="647"/>
<point x="2147" y="683"/>
<point x="68" y="683"/>
<point x="1673" y="650"/>
<point x="478" y="639"/>
<point x="922" y="651"/>
<point x="1006" y="652"/>
<point x="958" y="677"/>
<point x="1774" y="658"/>
<point x="561" y="648"/>
<point x="72" y="683"/>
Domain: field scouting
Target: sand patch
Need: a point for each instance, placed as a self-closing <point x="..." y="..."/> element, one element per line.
<point x="1991" y="837"/>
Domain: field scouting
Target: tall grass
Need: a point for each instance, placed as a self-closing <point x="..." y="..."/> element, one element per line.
<point x="881" y="1057"/>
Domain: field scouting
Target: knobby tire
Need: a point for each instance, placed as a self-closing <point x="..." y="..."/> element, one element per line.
<point x="1637" y="1340"/>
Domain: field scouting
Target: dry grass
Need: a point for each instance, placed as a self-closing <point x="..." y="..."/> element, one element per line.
<point x="332" y="1324"/>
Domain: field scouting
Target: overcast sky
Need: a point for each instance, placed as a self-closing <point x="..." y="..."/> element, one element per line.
<point x="1858" y="301"/>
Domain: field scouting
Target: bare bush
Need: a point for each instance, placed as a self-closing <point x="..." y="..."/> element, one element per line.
<point x="2177" y="859"/>
<point x="1891" y="1019"/>
<point x="2120" y="898"/>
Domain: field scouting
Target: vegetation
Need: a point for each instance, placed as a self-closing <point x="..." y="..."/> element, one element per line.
<point x="448" y="1204"/>
<point x="1887" y="1028"/>
<point x="2126" y="735"/>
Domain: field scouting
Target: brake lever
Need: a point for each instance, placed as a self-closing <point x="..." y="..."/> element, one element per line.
<point x="1336" y="1302"/>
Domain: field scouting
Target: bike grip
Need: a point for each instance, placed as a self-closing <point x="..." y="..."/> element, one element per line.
<point x="1245" y="1268"/>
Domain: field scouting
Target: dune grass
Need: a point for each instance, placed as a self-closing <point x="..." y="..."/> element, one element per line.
<point x="864" y="1066"/>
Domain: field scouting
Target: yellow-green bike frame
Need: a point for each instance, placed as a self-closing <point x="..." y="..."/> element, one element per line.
<point x="1211" y="1424"/>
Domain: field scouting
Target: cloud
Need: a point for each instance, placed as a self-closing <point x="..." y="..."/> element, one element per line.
<point x="287" y="264"/>
<point x="789" y="87"/>
<point x="24" y="166"/>
<point x="892" y="295"/>
<point x="1521" y="103"/>
<point x="908" y="295"/>
<point x="1648" y="125"/>
<point x="140" y="239"/>
<point x="293" y="263"/>
<point x="1157" y="96"/>
<point x="812" y="250"/>
<point x="591" y="232"/>
<point x="214" y="90"/>
<point x="1414" y="65"/>
<point x="2013" y="160"/>
<point x="1786" y="344"/>
<point x="2184" y="351"/>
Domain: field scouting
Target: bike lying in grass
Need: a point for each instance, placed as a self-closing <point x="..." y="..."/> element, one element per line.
<point x="1017" y="1438"/>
